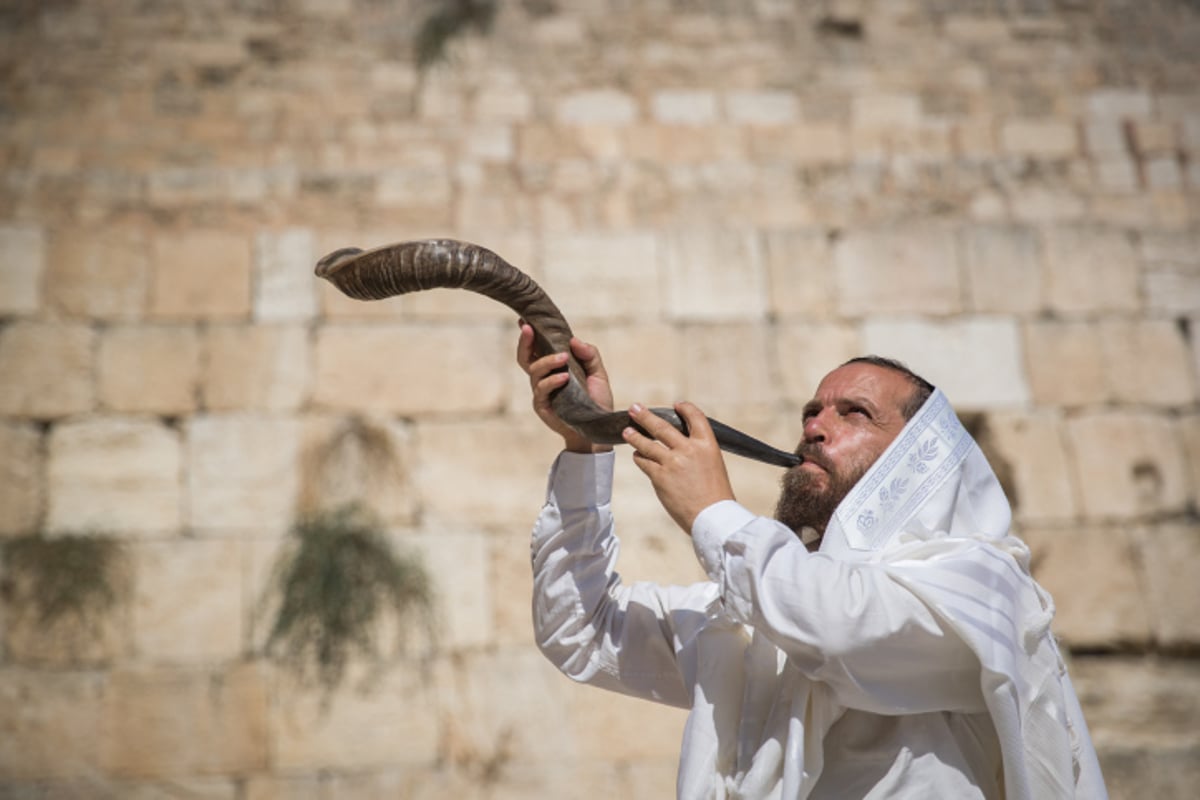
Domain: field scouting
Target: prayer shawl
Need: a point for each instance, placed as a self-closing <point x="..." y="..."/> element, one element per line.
<point x="932" y="513"/>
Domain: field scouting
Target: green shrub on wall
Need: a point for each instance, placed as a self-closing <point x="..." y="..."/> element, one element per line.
<point x="337" y="583"/>
<point x="61" y="577"/>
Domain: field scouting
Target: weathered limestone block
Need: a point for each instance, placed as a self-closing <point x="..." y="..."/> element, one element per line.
<point x="164" y="722"/>
<point x="1169" y="553"/>
<point x="602" y="275"/>
<point x="761" y="107"/>
<point x="201" y="275"/>
<point x="800" y="273"/>
<point x="596" y="107"/>
<point x="309" y="730"/>
<point x="1120" y="103"/>
<point x="510" y="583"/>
<point x="1190" y="424"/>
<point x="1128" y="464"/>
<point x="1092" y="575"/>
<point x="1138" y="702"/>
<point x="614" y="726"/>
<point x="807" y="352"/>
<point x="1066" y="363"/>
<point x="189" y="604"/>
<point x="885" y="111"/>
<point x="727" y="369"/>
<point x="148" y="368"/>
<point x="1039" y="138"/>
<point x="269" y="786"/>
<point x="22" y="266"/>
<point x="905" y="270"/>
<point x="642" y="359"/>
<point x="411" y="369"/>
<point x="284" y="286"/>
<point x="243" y="473"/>
<point x="50" y="723"/>
<point x="414" y="187"/>
<point x="684" y="107"/>
<point x="22" y="488"/>
<point x="458" y="563"/>
<point x="488" y="473"/>
<point x="1146" y="361"/>
<point x="1171" y="272"/>
<point x="255" y="367"/>
<point x="804" y="143"/>
<point x="534" y="777"/>
<point x="1105" y="137"/>
<point x="47" y="368"/>
<point x="114" y="474"/>
<point x="1003" y="269"/>
<point x="977" y="362"/>
<point x="531" y="719"/>
<point x="103" y="274"/>
<point x="1089" y="270"/>
<point x="714" y="275"/>
<point x="1032" y="448"/>
<point x="360" y="460"/>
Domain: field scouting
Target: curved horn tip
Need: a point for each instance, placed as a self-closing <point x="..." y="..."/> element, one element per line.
<point x="329" y="263"/>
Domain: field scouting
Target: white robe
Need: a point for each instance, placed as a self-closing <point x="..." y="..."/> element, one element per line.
<point x="909" y="657"/>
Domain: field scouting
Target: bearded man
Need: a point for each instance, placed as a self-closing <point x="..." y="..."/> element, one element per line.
<point x="882" y="637"/>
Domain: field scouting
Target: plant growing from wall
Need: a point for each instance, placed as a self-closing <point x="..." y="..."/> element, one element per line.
<point x="338" y="581"/>
<point x="450" y="19"/>
<point x="61" y="577"/>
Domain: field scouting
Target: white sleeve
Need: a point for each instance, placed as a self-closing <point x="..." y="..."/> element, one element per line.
<point x="849" y="625"/>
<point x="594" y="629"/>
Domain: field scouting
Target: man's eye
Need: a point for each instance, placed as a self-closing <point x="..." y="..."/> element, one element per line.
<point x="859" y="410"/>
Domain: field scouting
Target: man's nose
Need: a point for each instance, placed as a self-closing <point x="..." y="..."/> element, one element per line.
<point x="814" y="428"/>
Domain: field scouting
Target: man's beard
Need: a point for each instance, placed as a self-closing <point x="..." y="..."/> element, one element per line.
<point x="804" y="503"/>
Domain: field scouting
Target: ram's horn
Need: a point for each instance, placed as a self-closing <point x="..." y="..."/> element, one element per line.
<point x="445" y="263"/>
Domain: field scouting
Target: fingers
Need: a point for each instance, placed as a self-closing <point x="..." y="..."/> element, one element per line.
<point x="662" y="434"/>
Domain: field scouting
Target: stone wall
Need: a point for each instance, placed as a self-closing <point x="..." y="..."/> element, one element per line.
<point x="728" y="197"/>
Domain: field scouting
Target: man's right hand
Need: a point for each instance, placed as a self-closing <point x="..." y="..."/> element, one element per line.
<point x="544" y="380"/>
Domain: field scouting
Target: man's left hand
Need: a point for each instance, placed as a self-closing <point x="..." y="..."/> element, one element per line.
<point x="687" y="471"/>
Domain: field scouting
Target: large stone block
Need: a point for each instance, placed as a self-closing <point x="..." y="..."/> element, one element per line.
<point x="761" y="107"/>
<point x="727" y="369"/>
<point x="1091" y="573"/>
<point x="51" y="724"/>
<point x="1190" y="424"/>
<point x="1031" y="448"/>
<point x="22" y="265"/>
<point x="148" y="368"/>
<point x="255" y="367"/>
<point x="311" y="729"/>
<point x="912" y="270"/>
<point x="1128" y="464"/>
<point x="201" y="275"/>
<point x="103" y="274"/>
<point x="1003" y="269"/>
<point x="596" y="107"/>
<point x="489" y="474"/>
<point x="458" y="561"/>
<point x="1138" y="702"/>
<point x="1066" y="363"/>
<point x="164" y="722"/>
<point x="1039" y="138"/>
<point x="602" y="275"/>
<point x="977" y="362"/>
<point x="684" y="107"/>
<point x="1168" y="555"/>
<point x="47" y="368"/>
<point x="1090" y="270"/>
<point x="885" y="111"/>
<point x="800" y="273"/>
<point x="462" y="373"/>
<point x="22" y="488"/>
<point x="807" y="352"/>
<point x="1146" y="362"/>
<point x="243" y="473"/>
<point x="643" y="361"/>
<point x="285" y="288"/>
<point x="114" y="474"/>
<point x="188" y="606"/>
<point x="359" y="460"/>
<point x="714" y="275"/>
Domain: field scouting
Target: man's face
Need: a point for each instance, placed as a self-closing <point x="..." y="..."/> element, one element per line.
<point x="853" y="417"/>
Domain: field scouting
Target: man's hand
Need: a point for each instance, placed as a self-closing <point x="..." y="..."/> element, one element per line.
<point x="543" y="379"/>
<point x="687" y="472"/>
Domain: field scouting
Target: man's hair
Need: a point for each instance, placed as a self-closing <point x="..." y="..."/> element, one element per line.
<point x="922" y="388"/>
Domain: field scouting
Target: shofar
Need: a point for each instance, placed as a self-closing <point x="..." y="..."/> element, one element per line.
<point x="446" y="263"/>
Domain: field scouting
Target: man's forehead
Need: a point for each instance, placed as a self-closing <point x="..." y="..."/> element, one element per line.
<point x="866" y="381"/>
